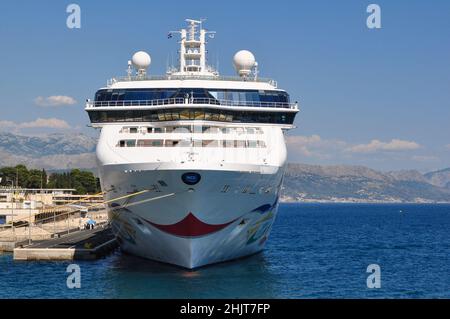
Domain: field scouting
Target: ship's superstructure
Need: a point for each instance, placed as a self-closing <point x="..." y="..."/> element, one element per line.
<point x="191" y="162"/>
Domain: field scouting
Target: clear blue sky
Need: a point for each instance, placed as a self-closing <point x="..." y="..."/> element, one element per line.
<point x="379" y="98"/>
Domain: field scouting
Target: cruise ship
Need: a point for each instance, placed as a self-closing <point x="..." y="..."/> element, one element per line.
<point x="192" y="162"/>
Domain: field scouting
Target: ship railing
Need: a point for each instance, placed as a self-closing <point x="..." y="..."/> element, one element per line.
<point x="184" y="101"/>
<point x="189" y="77"/>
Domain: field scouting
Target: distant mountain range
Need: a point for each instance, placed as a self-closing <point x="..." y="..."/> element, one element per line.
<point x="361" y="184"/>
<point x="52" y="151"/>
<point x="302" y="182"/>
<point x="439" y="178"/>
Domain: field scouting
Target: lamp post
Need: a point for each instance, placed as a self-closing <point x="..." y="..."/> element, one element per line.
<point x="29" y="225"/>
<point x="12" y="207"/>
<point x="68" y="225"/>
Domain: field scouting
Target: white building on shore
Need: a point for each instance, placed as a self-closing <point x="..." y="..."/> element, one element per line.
<point x="23" y="204"/>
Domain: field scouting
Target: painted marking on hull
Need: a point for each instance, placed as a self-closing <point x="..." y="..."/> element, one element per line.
<point x="190" y="226"/>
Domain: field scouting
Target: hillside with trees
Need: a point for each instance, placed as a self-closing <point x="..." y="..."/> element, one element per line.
<point x="84" y="182"/>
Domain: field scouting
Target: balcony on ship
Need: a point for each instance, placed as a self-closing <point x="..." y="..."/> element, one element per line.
<point x="107" y="98"/>
<point x="190" y="100"/>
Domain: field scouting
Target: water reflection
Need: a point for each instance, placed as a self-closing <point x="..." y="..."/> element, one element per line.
<point x="136" y="277"/>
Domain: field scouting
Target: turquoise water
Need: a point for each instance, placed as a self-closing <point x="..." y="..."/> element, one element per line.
<point x="315" y="251"/>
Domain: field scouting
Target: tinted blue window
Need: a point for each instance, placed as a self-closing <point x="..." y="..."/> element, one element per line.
<point x="223" y="95"/>
<point x="196" y="93"/>
<point x="133" y="94"/>
<point x="121" y="96"/>
<point x="241" y="96"/>
<point x="216" y="115"/>
<point x="266" y="97"/>
<point x="252" y="96"/>
<point x="167" y="94"/>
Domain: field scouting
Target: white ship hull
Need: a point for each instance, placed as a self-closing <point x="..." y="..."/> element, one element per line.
<point x="191" y="163"/>
<point x="191" y="228"/>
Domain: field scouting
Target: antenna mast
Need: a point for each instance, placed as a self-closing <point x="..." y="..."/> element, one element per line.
<point x="193" y="50"/>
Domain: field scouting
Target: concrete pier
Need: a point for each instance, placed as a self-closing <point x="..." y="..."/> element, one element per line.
<point x="81" y="245"/>
<point x="12" y="237"/>
<point x="8" y="246"/>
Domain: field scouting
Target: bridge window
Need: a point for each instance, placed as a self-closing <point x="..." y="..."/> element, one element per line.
<point x="101" y="116"/>
<point x="184" y="115"/>
<point x="134" y="94"/>
<point x="238" y="96"/>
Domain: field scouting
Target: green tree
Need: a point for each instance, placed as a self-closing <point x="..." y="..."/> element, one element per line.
<point x="44" y="178"/>
<point x="22" y="175"/>
<point x="8" y="175"/>
<point x="84" y="182"/>
<point x="34" y="178"/>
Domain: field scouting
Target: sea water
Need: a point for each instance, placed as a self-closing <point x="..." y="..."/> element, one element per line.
<point x="314" y="251"/>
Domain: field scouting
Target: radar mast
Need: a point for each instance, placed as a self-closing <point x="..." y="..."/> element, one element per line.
<point x="193" y="50"/>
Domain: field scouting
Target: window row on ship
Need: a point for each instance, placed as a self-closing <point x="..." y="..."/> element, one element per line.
<point x="241" y="96"/>
<point x="191" y="143"/>
<point x="203" y="114"/>
<point x="203" y="129"/>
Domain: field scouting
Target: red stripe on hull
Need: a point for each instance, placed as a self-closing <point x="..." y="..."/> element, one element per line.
<point x="190" y="226"/>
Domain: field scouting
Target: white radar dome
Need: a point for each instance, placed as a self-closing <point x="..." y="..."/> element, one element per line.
<point x="244" y="61"/>
<point x="141" y="60"/>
